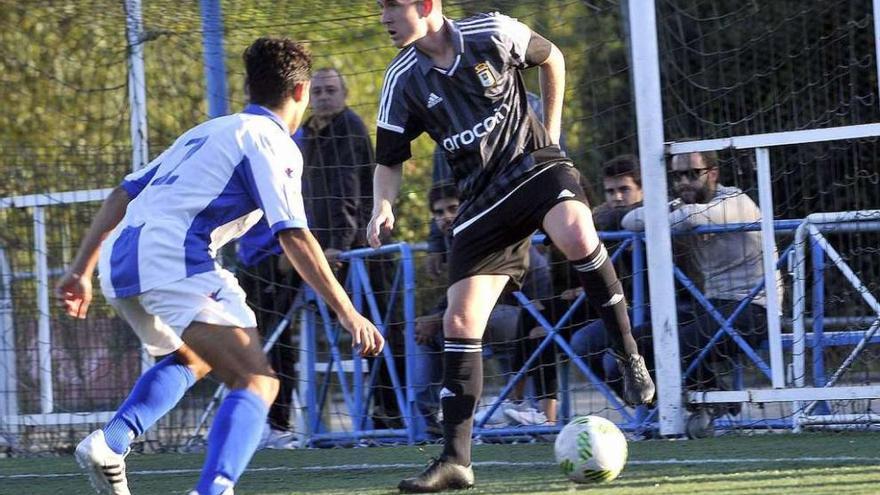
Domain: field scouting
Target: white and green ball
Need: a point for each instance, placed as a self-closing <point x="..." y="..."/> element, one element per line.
<point x="590" y="449"/>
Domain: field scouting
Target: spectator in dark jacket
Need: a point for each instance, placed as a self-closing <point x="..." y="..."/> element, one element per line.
<point x="339" y="162"/>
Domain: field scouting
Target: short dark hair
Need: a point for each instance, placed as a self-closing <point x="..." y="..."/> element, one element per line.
<point x="333" y="70"/>
<point x="274" y="66"/>
<point x="710" y="158"/>
<point x="442" y="190"/>
<point x="623" y="166"/>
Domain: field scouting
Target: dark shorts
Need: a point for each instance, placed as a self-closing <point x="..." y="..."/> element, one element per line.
<point x="496" y="241"/>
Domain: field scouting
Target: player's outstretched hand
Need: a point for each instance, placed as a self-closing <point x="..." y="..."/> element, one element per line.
<point x="74" y="294"/>
<point x="365" y="337"/>
<point x="380" y="226"/>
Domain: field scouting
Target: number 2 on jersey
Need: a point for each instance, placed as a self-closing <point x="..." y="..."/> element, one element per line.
<point x="168" y="179"/>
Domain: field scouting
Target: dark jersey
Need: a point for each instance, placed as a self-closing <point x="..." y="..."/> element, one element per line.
<point x="477" y="109"/>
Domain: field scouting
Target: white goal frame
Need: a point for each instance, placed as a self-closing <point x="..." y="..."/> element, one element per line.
<point x="653" y="151"/>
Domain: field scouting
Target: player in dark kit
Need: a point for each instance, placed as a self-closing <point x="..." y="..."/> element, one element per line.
<point x="460" y="82"/>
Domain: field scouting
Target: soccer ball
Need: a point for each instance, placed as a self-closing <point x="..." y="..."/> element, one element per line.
<point x="590" y="449"/>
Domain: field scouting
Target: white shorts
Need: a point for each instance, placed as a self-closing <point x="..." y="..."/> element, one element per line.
<point x="159" y="316"/>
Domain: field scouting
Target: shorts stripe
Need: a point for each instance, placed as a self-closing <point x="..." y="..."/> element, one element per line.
<point x="494" y="205"/>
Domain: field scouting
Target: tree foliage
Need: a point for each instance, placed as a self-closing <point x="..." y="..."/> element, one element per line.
<point x="728" y="68"/>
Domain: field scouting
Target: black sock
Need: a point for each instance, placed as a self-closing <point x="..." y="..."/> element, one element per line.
<point x="603" y="289"/>
<point x="462" y="386"/>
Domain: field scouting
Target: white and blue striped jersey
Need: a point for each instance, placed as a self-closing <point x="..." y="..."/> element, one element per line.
<point x="207" y="189"/>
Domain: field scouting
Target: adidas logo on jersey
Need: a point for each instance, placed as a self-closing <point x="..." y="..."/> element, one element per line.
<point x="433" y="100"/>
<point x="565" y="193"/>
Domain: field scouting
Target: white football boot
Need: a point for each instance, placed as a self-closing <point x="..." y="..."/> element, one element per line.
<point x="106" y="469"/>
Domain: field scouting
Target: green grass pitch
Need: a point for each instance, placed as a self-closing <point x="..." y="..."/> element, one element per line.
<point x="806" y="464"/>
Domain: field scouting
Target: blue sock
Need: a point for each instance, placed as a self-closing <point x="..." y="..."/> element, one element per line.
<point x="153" y="395"/>
<point x="233" y="440"/>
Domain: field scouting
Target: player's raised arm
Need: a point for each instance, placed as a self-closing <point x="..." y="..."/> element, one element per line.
<point x="306" y="255"/>
<point x="386" y="186"/>
<point x="74" y="290"/>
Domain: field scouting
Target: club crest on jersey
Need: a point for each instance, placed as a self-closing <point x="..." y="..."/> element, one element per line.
<point x="485" y="74"/>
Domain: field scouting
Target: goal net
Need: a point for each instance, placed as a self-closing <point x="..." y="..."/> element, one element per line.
<point x="728" y="69"/>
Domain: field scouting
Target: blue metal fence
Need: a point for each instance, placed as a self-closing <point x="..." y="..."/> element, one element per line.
<point x="356" y="390"/>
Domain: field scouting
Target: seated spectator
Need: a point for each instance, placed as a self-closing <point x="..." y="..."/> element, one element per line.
<point x="622" y="186"/>
<point x="728" y="264"/>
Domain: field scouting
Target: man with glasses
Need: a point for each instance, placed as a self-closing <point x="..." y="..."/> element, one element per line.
<point x="729" y="263"/>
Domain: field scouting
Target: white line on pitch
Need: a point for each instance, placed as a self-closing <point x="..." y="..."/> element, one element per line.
<point x="363" y="467"/>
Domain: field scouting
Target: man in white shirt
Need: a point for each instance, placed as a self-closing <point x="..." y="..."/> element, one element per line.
<point x="158" y="234"/>
<point x="729" y="264"/>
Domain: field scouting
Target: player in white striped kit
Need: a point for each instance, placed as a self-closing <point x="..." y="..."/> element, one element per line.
<point x="158" y="234"/>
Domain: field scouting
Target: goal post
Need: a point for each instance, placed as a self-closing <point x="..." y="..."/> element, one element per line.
<point x="649" y="114"/>
<point x="795" y="389"/>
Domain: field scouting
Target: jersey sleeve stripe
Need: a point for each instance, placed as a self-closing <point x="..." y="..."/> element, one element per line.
<point x="389" y="74"/>
<point x="482" y="18"/>
<point x="395" y="65"/>
<point x="388" y="98"/>
<point x="477" y="31"/>
<point x="476" y="25"/>
<point x="482" y="29"/>
<point x="390" y="127"/>
<point x="394" y="74"/>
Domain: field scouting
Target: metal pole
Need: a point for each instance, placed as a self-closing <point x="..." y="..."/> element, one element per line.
<point x="409" y="318"/>
<point x="44" y="329"/>
<point x="638" y="264"/>
<point x="137" y="101"/>
<point x="799" y="308"/>
<point x="771" y="288"/>
<point x="649" y="113"/>
<point x="818" y="256"/>
<point x="875" y="7"/>
<point x="308" y="358"/>
<point x="137" y="84"/>
<point x="215" y="64"/>
<point x="8" y="374"/>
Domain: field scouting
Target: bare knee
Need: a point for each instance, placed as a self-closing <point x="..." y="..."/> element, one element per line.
<point x="458" y="325"/>
<point x="264" y="386"/>
<point x="577" y="242"/>
<point x="268" y="387"/>
<point x="191" y="360"/>
<point x="570" y="225"/>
